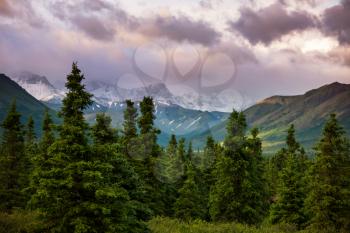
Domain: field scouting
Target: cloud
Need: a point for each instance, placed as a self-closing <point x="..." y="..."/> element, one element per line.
<point x="6" y="9"/>
<point x="336" y="21"/>
<point x="270" y="23"/>
<point x="181" y="29"/>
<point x="94" y="28"/>
<point x="102" y="20"/>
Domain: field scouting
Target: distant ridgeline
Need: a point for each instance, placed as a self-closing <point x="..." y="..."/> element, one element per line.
<point x="27" y="105"/>
<point x="272" y="116"/>
<point x="307" y="112"/>
<point x="79" y="177"/>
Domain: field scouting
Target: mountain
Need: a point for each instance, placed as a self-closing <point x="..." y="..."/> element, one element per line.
<point x="27" y="105"/>
<point x="170" y="117"/>
<point x="39" y="87"/>
<point x="307" y="112"/>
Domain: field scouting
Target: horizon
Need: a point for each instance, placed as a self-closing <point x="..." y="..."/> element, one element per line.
<point x="250" y="49"/>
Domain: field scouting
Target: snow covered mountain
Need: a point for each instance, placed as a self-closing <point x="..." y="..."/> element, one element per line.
<point x="39" y="87"/>
<point x="172" y="116"/>
<point x="107" y="94"/>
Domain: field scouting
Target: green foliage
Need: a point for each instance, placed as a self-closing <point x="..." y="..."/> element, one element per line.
<point x="329" y="198"/>
<point x="291" y="190"/>
<point x="13" y="162"/>
<point x="102" y="131"/>
<point x="172" y="146"/>
<point x="80" y="191"/>
<point x="129" y="125"/>
<point x="21" y="222"/>
<point x="190" y="203"/>
<point x="238" y="194"/>
<point x="167" y="225"/>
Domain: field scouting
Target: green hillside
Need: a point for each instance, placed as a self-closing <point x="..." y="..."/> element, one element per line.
<point x="307" y="112"/>
<point x="27" y="105"/>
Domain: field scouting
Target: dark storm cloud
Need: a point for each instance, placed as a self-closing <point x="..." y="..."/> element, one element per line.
<point x="270" y="23"/>
<point x="336" y="21"/>
<point x="94" y="28"/>
<point x="6" y="9"/>
<point x="181" y="29"/>
<point x="103" y="25"/>
<point x="96" y="5"/>
<point x="22" y="11"/>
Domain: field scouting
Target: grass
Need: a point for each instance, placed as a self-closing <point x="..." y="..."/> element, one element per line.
<point x="168" y="225"/>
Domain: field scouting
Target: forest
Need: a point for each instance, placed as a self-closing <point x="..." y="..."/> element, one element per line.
<point x="85" y="178"/>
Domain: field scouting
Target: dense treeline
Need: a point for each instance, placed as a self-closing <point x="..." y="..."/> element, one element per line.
<point x="80" y="178"/>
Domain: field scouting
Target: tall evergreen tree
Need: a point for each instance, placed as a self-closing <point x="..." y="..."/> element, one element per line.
<point x="13" y="163"/>
<point x="86" y="199"/>
<point x="48" y="137"/>
<point x="150" y="151"/>
<point x="122" y="176"/>
<point x="257" y="195"/>
<point x="172" y="146"/>
<point x="189" y="154"/>
<point x="190" y="204"/>
<point x="30" y="136"/>
<point x="130" y="116"/>
<point x="329" y="198"/>
<point x="102" y="131"/>
<point x="230" y="197"/>
<point x="39" y="160"/>
<point x="289" y="205"/>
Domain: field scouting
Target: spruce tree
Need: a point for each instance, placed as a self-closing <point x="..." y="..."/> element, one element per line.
<point x="13" y="163"/>
<point x="48" y="136"/>
<point x="122" y="176"/>
<point x="190" y="204"/>
<point x="31" y="151"/>
<point x="150" y="153"/>
<point x="172" y="146"/>
<point x="257" y="194"/>
<point x="189" y="154"/>
<point x="231" y="196"/>
<point x="129" y="125"/>
<point x="102" y="131"/>
<point x="78" y="193"/>
<point x="329" y="197"/>
<point x="291" y="190"/>
<point x="30" y="136"/>
<point x="40" y="159"/>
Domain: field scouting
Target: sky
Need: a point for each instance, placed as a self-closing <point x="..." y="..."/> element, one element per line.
<point x="256" y="48"/>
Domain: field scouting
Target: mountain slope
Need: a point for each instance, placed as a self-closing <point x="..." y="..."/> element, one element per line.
<point x="39" y="87"/>
<point x="27" y="105"/>
<point x="307" y="112"/>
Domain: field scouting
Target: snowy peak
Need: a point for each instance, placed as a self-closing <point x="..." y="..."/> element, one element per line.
<point x="107" y="94"/>
<point x="30" y="78"/>
<point x="38" y="86"/>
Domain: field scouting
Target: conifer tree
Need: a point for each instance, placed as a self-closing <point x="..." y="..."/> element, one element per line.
<point x="257" y="194"/>
<point x="230" y="197"/>
<point x="30" y="136"/>
<point x="129" y="125"/>
<point x="190" y="204"/>
<point x="154" y="188"/>
<point x="329" y="197"/>
<point x="102" y="131"/>
<point x="181" y="150"/>
<point x="189" y="154"/>
<point x="48" y="137"/>
<point x="39" y="161"/>
<point x="172" y="146"/>
<point x="122" y="176"/>
<point x="13" y="174"/>
<point x="78" y="193"/>
<point x="289" y="206"/>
